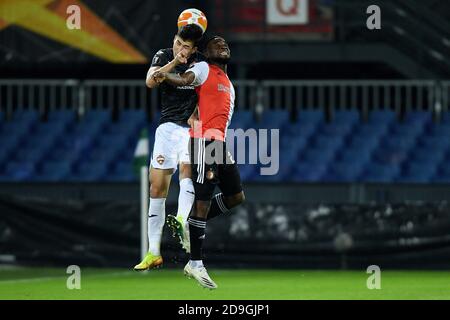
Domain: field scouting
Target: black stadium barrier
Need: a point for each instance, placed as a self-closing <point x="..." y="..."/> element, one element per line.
<point x="40" y="232"/>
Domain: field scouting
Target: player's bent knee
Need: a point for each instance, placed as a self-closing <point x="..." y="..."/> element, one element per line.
<point x="158" y="191"/>
<point x="235" y="200"/>
<point x="239" y="198"/>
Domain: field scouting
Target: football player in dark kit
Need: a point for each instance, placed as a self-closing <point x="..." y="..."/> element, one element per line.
<point x="171" y="143"/>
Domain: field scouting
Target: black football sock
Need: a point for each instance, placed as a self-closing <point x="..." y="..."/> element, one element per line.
<point x="217" y="206"/>
<point x="197" y="228"/>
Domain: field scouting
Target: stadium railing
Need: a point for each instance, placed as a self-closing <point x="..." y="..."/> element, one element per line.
<point x="400" y="96"/>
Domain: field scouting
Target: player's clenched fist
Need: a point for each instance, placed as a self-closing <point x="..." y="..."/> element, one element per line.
<point x="159" y="76"/>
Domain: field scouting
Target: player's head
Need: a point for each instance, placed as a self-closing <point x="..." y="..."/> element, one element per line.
<point x="217" y="50"/>
<point x="187" y="39"/>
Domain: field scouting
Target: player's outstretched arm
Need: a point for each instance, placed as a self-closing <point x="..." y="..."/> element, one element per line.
<point x="178" y="80"/>
<point x="180" y="58"/>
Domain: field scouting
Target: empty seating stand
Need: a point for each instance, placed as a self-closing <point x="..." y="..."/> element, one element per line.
<point x="312" y="149"/>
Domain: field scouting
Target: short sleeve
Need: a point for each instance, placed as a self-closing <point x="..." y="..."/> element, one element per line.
<point x="201" y="71"/>
<point x="160" y="59"/>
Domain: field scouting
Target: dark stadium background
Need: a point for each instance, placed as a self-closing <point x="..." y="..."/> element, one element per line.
<point x="364" y="127"/>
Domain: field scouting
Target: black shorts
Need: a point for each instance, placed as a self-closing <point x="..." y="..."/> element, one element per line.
<point x="212" y="165"/>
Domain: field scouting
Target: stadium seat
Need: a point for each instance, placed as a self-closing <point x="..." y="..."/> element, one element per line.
<point x="418" y="117"/>
<point x="346" y="117"/>
<point x="309" y="172"/>
<point x="344" y="171"/>
<point x="90" y="171"/>
<point x="352" y="155"/>
<point x="29" y="116"/>
<point x="375" y="172"/>
<point x="310" y="116"/>
<point x="242" y="119"/>
<point x="123" y="172"/>
<point x="428" y="155"/>
<point x="63" y="117"/>
<point x="20" y="171"/>
<point x="274" y="119"/>
<point x="304" y="130"/>
<point x="407" y="129"/>
<point x="53" y="171"/>
<point x="336" y="129"/>
<point x="385" y="117"/>
<point x="370" y="130"/>
<point x="327" y="142"/>
<point x="318" y="156"/>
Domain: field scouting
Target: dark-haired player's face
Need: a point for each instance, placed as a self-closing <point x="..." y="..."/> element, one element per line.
<point x="218" y="50"/>
<point x="180" y="44"/>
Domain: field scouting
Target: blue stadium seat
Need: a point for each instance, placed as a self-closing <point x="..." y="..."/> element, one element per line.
<point x="90" y="171"/>
<point x="335" y="129"/>
<point x="105" y="153"/>
<point x="346" y="117"/>
<point x="274" y="119"/>
<point x="390" y="156"/>
<point x="242" y="119"/>
<point x="417" y="172"/>
<point x="33" y="155"/>
<point x="418" y="117"/>
<point x="310" y="116"/>
<point x="352" y="155"/>
<point x="344" y="171"/>
<point x="438" y="142"/>
<point x="64" y="154"/>
<point x="327" y="142"/>
<point x="137" y="117"/>
<point x="364" y="142"/>
<point x="16" y="128"/>
<point x="29" y="116"/>
<point x="370" y="130"/>
<point x="445" y="118"/>
<point x="309" y="172"/>
<point x="50" y="129"/>
<point x="385" y="117"/>
<point x="95" y="119"/>
<point x="247" y="171"/>
<point x="442" y="129"/>
<point x="399" y="142"/>
<point x="53" y="171"/>
<point x="90" y="128"/>
<point x="407" y="129"/>
<point x="117" y="141"/>
<point x="20" y="171"/>
<point x="63" y="117"/>
<point x="77" y="143"/>
<point x="123" y="172"/>
<point x="128" y="129"/>
<point x="427" y="155"/>
<point x="304" y="130"/>
<point x="318" y="156"/>
<point x="380" y="173"/>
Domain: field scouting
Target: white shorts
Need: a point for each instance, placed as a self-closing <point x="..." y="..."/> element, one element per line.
<point x="171" y="146"/>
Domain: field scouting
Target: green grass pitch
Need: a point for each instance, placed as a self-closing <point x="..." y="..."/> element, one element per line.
<point x="170" y="284"/>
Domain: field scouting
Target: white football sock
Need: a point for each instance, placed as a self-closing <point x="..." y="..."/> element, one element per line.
<point x="196" y="263"/>
<point x="185" y="198"/>
<point x="156" y="219"/>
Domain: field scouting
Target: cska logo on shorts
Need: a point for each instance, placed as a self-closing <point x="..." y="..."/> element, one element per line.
<point x="160" y="159"/>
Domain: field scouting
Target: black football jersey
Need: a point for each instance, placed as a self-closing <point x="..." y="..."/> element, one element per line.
<point x="177" y="103"/>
